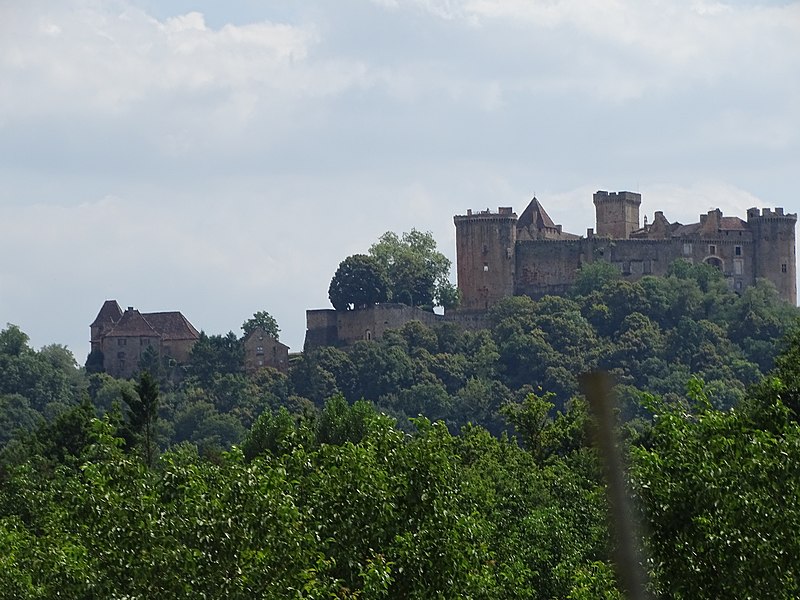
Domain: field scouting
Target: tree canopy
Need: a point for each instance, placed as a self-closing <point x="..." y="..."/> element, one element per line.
<point x="418" y="273"/>
<point x="359" y="282"/>
<point x="264" y="320"/>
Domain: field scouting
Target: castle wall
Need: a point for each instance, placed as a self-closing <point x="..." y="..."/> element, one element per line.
<point x="321" y="328"/>
<point x="550" y="267"/>
<point x="547" y="267"/>
<point x="328" y="327"/>
<point x="732" y="254"/>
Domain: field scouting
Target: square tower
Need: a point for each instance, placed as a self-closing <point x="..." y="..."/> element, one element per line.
<point x="617" y="213"/>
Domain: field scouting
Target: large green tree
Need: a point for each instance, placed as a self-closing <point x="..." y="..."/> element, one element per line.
<point x="359" y="282"/>
<point x="418" y="273"/>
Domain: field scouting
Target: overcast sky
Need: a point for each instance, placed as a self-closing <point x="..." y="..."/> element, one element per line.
<point x="221" y="158"/>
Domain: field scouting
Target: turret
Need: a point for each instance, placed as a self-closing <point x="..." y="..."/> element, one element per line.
<point x="617" y="213"/>
<point x="774" y="249"/>
<point x="485" y="257"/>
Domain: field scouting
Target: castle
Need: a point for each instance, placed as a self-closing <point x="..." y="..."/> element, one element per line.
<point x="500" y="254"/>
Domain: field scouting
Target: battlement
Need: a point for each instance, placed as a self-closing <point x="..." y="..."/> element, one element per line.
<point x="602" y="196"/>
<point x="503" y="212"/>
<point x="767" y="213"/>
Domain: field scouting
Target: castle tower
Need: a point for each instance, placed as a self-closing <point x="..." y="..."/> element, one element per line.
<point x="485" y="257"/>
<point x="774" y="249"/>
<point x="617" y="213"/>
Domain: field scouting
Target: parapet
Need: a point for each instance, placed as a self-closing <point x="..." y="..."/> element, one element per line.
<point x="601" y="196"/>
<point x="768" y="213"/>
<point x="503" y="212"/>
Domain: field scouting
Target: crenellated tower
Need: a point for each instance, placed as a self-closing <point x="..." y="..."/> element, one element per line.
<point x="617" y="213"/>
<point x="485" y="257"/>
<point x="774" y="249"/>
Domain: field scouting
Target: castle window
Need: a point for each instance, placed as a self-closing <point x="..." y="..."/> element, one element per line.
<point x="738" y="251"/>
<point x="712" y="249"/>
<point x="687" y="249"/>
<point x="485" y="267"/>
<point x="121" y="342"/>
<point x="485" y="249"/>
<point x="260" y="363"/>
<point x="783" y="268"/>
<point x="121" y="355"/>
<point x="738" y="286"/>
<point x="738" y="266"/>
<point x="368" y="335"/>
<point x="259" y="349"/>
<point x="508" y="252"/>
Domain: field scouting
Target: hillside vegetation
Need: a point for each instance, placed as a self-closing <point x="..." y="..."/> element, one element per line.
<point x="433" y="463"/>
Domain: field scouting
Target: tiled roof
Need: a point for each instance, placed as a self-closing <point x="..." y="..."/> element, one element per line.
<point x="132" y="323"/>
<point x="109" y="313"/>
<point x="695" y="229"/>
<point x="733" y="224"/>
<point x="172" y="325"/>
<point x="536" y="215"/>
<point x="259" y="330"/>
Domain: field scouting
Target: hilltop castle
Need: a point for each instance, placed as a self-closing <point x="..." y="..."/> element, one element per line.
<point x="500" y="254"/>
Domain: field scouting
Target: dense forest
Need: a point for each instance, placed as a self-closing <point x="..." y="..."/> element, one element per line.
<point x="432" y="463"/>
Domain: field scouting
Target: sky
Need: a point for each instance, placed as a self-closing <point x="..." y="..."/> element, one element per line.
<point x="222" y="158"/>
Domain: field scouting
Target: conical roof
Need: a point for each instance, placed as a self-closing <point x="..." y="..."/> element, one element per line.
<point x="535" y="215"/>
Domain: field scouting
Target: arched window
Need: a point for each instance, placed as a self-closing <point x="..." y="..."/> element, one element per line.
<point x="714" y="262"/>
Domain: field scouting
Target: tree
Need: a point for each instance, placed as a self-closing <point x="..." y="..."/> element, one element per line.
<point x="216" y="355"/>
<point x="359" y="282"/>
<point x="417" y="271"/>
<point x="264" y="320"/>
<point x="143" y="413"/>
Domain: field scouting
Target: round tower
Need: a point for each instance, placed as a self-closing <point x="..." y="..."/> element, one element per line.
<point x="485" y="257"/>
<point x="617" y="213"/>
<point x="774" y="249"/>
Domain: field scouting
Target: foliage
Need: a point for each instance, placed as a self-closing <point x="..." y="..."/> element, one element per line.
<point x="264" y="320"/>
<point x="359" y="282"/>
<point x="417" y="271"/>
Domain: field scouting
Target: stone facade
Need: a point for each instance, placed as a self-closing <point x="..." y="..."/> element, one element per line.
<point x="499" y="255"/>
<point x="262" y="350"/>
<point x="123" y="337"/>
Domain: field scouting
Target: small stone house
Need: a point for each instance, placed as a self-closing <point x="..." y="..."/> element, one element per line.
<point x="262" y="350"/>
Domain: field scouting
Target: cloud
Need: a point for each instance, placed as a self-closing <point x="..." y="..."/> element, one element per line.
<point x="620" y="50"/>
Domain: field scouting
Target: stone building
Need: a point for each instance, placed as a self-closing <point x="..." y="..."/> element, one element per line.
<point x="500" y="255"/>
<point x="262" y="350"/>
<point x="123" y="337"/>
